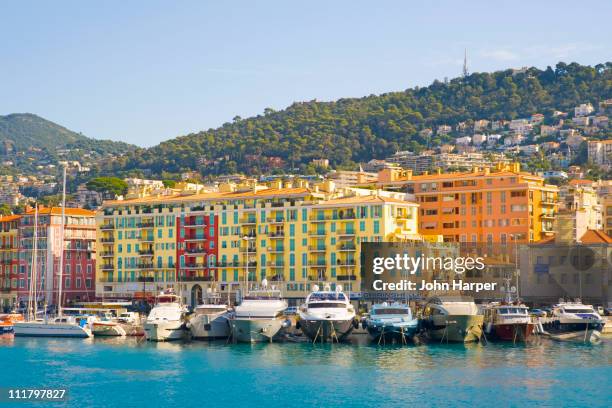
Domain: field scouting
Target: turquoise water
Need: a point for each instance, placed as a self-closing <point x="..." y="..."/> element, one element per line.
<point x="129" y="373"/>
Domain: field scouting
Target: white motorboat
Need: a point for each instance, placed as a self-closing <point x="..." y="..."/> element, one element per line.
<point x="574" y="321"/>
<point x="105" y="328"/>
<point x="65" y="326"/>
<point x="327" y="315"/>
<point x="452" y="318"/>
<point x="210" y="322"/>
<point x="166" y="321"/>
<point x="260" y="316"/>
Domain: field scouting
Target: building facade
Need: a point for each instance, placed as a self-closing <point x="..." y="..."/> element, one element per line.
<point x="292" y="237"/>
<point x="499" y="205"/>
<point x="9" y="261"/>
<point x="79" y="248"/>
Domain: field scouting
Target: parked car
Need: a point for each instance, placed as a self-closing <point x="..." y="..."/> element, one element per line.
<point x="291" y="311"/>
<point x="537" y="312"/>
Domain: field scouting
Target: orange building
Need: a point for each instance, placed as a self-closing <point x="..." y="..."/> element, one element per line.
<point x="497" y="205"/>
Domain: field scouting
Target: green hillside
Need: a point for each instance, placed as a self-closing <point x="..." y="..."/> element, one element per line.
<point x="354" y="130"/>
<point x="21" y="132"/>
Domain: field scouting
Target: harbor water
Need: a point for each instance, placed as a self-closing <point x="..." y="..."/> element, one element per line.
<point x="127" y="372"/>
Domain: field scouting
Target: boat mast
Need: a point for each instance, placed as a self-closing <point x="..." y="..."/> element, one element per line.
<point x="32" y="293"/>
<point x="61" y="260"/>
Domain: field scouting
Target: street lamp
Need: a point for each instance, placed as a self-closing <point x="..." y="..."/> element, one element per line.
<point x="515" y="237"/>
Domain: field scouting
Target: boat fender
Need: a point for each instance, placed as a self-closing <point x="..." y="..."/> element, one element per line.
<point x="286" y="324"/>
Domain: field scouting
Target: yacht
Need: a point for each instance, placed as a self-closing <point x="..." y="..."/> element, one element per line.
<point x="166" y="321"/>
<point x="327" y="315"/>
<point x="61" y="326"/>
<point x="106" y="328"/>
<point x="210" y="321"/>
<point x="452" y="318"/>
<point x="507" y="321"/>
<point x="574" y="321"/>
<point x="260" y="316"/>
<point x="131" y="323"/>
<point x="391" y="322"/>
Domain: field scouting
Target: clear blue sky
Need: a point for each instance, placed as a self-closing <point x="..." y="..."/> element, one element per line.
<point x="147" y="71"/>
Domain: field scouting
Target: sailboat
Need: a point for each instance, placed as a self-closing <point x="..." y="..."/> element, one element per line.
<point x="60" y="326"/>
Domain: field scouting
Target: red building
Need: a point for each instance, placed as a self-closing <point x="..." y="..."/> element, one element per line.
<point x="79" y="261"/>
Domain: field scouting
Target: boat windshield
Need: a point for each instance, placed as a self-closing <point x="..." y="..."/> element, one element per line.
<point x="327" y="296"/>
<point x="585" y="310"/>
<point x="513" y="310"/>
<point x="389" y="311"/>
<point x="326" y="305"/>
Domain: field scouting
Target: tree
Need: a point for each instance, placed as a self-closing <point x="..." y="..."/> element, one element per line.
<point x="109" y="186"/>
<point x="5" y="209"/>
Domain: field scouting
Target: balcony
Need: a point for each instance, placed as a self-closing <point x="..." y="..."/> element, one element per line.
<point x="547" y="202"/>
<point x="277" y="235"/>
<point x="248" y="250"/>
<point x="107" y="254"/>
<point x="149" y="238"/>
<point x="317" y="233"/>
<point x="195" y="239"/>
<point x="144" y="265"/>
<point x="319" y="278"/>
<point x="276" y="264"/>
<point x="201" y="224"/>
<point x="277" y="278"/>
<point x="194" y="266"/>
<point x="346" y="264"/>
<point x="107" y="268"/>
<point x="107" y="227"/>
<point x="276" y="250"/>
<point x="346" y="277"/>
<point x="317" y="264"/>
<point x="248" y="221"/>
<point x="107" y="240"/>
<point x="197" y="279"/>
<point x="195" y="251"/>
<point x="346" y="233"/>
<point x="145" y="252"/>
<point x="347" y="248"/>
<point x="548" y="216"/>
<point x="276" y="220"/>
<point x="146" y="225"/>
<point x="318" y="248"/>
<point x="145" y="279"/>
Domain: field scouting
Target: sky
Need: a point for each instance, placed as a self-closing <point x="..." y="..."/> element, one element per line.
<point x="147" y="71"/>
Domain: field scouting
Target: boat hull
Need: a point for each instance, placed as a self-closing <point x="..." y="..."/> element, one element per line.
<point x="392" y="333"/>
<point x="574" y="330"/>
<point x="326" y="329"/>
<point x="41" y="329"/>
<point x="512" y="332"/>
<point x="164" y="331"/>
<point x="454" y="328"/>
<point x="255" y="330"/>
<point x="107" y="330"/>
<point x="210" y="327"/>
<point x="6" y="330"/>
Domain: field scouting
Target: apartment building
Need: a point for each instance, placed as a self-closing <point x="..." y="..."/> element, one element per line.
<point x="600" y="152"/>
<point x="9" y="246"/>
<point x="79" y="247"/>
<point x="579" y="211"/>
<point x="485" y="205"/>
<point x="604" y="192"/>
<point x="292" y="237"/>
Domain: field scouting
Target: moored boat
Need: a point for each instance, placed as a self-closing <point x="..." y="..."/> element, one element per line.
<point x="452" y="319"/>
<point x="260" y="316"/>
<point x="7" y="323"/>
<point x="574" y="321"/>
<point x="327" y="315"/>
<point x="391" y="322"/>
<point x="210" y="322"/>
<point x="107" y="328"/>
<point x="166" y="321"/>
<point x="63" y="326"/>
<point x="507" y="322"/>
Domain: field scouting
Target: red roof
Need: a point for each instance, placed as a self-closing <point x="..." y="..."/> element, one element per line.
<point x="596" y="237"/>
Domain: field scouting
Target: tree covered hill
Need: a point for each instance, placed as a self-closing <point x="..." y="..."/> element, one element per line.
<point x="22" y="132"/>
<point x="352" y="130"/>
